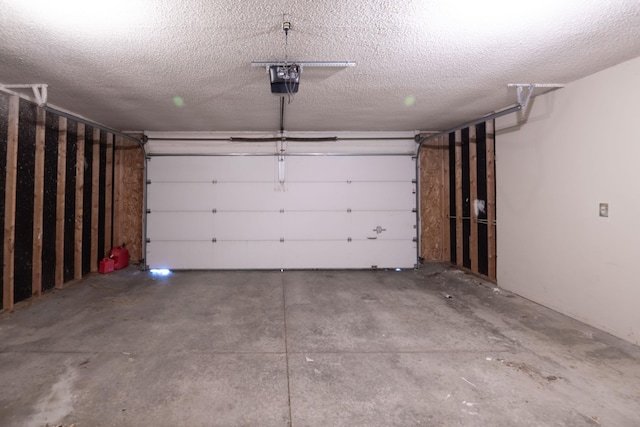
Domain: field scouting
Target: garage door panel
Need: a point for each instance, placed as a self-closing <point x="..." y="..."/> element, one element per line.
<point x="351" y="168"/>
<point x="179" y="169"/>
<point x="301" y="168"/>
<point x="247" y="226"/>
<point x="318" y="254"/>
<point x="245" y="169"/>
<point x="180" y="197"/>
<point x="382" y="196"/>
<point x="343" y="225"/>
<point x="241" y="211"/>
<point x="180" y="255"/>
<point x="313" y="225"/>
<point x="343" y="196"/>
<point x="256" y="196"/>
<point x="393" y="225"/>
<point x="208" y="169"/>
<point x="384" y="253"/>
<point x="316" y="196"/>
<point x="180" y="226"/>
<point x="247" y="255"/>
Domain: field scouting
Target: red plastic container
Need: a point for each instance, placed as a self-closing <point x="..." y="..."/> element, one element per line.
<point x="120" y="257"/>
<point x="106" y="266"/>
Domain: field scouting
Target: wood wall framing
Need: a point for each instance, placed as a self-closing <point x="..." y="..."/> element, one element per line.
<point x="38" y="204"/>
<point x="69" y="193"/>
<point x="128" y="196"/>
<point x="95" y="200"/>
<point x="458" y="209"/>
<point x="50" y="201"/>
<point x="434" y="236"/>
<point x="78" y="223"/>
<point x="457" y="200"/>
<point x="11" y="163"/>
<point x="60" y="202"/>
<point x="4" y="134"/>
<point x="57" y="197"/>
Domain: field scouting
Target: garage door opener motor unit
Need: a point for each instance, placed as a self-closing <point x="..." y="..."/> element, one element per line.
<point x="284" y="78"/>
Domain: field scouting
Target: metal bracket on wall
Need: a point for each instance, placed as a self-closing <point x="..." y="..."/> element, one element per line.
<point x="39" y="91"/>
<point x="523" y="98"/>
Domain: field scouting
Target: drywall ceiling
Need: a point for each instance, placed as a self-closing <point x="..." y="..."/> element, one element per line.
<point x="421" y="65"/>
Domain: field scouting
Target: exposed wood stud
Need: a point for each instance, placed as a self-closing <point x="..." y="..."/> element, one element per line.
<point x="131" y="194"/>
<point x="473" y="175"/>
<point x="10" y="204"/>
<point x="60" y="203"/>
<point x="491" y="199"/>
<point x="38" y="205"/>
<point x="446" y="206"/>
<point x="452" y="203"/>
<point x="95" y="200"/>
<point x="108" y="189"/>
<point x="80" y="162"/>
<point x="118" y="190"/>
<point x="431" y="187"/>
<point x="459" y="236"/>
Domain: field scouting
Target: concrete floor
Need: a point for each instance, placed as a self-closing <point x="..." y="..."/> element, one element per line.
<point x="308" y="348"/>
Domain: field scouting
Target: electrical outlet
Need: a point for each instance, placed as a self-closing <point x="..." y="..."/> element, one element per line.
<point x="604" y="209"/>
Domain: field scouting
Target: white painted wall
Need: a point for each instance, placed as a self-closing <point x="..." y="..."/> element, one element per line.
<point x="579" y="146"/>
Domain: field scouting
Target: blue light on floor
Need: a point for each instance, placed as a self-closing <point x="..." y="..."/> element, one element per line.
<point x="398" y="269"/>
<point x="160" y="271"/>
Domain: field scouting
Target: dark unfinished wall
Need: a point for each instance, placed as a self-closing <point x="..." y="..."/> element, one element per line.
<point x="57" y="216"/>
<point x="457" y="199"/>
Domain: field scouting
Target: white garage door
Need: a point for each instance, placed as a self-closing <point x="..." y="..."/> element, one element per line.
<point x="281" y="212"/>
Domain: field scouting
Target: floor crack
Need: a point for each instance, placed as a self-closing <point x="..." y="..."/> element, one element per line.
<point x="286" y="347"/>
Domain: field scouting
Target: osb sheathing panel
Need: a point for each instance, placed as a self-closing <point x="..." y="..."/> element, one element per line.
<point x="129" y="186"/>
<point x="431" y="201"/>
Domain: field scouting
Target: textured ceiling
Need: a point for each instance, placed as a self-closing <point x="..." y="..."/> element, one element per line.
<point x="421" y="65"/>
